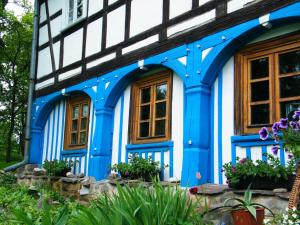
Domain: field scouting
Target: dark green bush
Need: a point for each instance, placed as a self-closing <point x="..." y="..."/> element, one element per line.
<point x="57" y="167"/>
<point x="138" y="168"/>
<point x="8" y="179"/>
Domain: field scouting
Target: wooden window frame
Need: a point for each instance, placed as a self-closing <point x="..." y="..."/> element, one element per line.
<point x="73" y="101"/>
<point x="269" y="48"/>
<point x="152" y="81"/>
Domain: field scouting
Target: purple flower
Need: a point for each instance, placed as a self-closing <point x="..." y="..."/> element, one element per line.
<point x="294" y="125"/>
<point x="126" y="174"/>
<point x="283" y="123"/>
<point x="233" y="169"/>
<point x="222" y="170"/>
<point x="290" y="156"/>
<point x="263" y="133"/>
<point x="276" y="127"/>
<point x="242" y="161"/>
<point x="296" y="114"/>
<point x="286" y="149"/>
<point x="276" y="137"/>
<point x="275" y="150"/>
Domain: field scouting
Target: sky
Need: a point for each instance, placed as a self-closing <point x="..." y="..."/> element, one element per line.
<point x="15" y="8"/>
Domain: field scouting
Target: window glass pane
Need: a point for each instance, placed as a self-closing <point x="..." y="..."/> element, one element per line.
<point x="260" y="114"/>
<point x="74" y="125"/>
<point x="289" y="62"/>
<point x="83" y="123"/>
<point x="74" y="138"/>
<point x="161" y="91"/>
<point x="260" y="91"/>
<point x="145" y="95"/>
<point x="144" y="129"/>
<point x="82" y="137"/>
<point x="75" y="112"/>
<point x="287" y="109"/>
<point x="85" y="110"/>
<point x="160" y="126"/>
<point x="145" y="112"/>
<point x="71" y="8"/>
<point x="290" y="86"/>
<point x="79" y="8"/>
<point x="160" y="109"/>
<point x="259" y="68"/>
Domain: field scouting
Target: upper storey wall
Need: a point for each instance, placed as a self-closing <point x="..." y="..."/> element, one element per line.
<point x="82" y="38"/>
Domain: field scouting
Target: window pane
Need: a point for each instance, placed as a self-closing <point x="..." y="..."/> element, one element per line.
<point x="259" y="68"/>
<point x="75" y="112"/>
<point x="145" y="112"/>
<point x="79" y="8"/>
<point x="260" y="114"/>
<point x="161" y="91"/>
<point x="289" y="62"/>
<point x="287" y="109"/>
<point x="260" y="91"/>
<point x="290" y="86"/>
<point x="145" y="95"/>
<point x="85" y="110"/>
<point x="83" y="123"/>
<point x="82" y="137"/>
<point x="160" y="109"/>
<point x="71" y="8"/>
<point x="74" y="138"/>
<point x="144" y="129"/>
<point x="74" y="125"/>
<point x="160" y="126"/>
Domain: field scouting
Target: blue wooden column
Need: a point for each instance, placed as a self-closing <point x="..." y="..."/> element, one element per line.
<point x="36" y="145"/>
<point x="196" y="136"/>
<point x="99" y="165"/>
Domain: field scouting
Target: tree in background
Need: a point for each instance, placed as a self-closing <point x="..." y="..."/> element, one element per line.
<point x="15" y="53"/>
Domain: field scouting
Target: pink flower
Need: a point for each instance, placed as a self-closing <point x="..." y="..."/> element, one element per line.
<point x="198" y="176"/>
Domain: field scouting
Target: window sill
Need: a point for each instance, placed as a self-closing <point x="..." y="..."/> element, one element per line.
<point x="81" y="151"/>
<point x="150" y="145"/>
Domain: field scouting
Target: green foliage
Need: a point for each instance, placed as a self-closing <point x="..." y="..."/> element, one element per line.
<point x="287" y="217"/>
<point x="291" y="141"/>
<point x="245" y="168"/>
<point x="138" y="168"/>
<point x="57" y="167"/>
<point x="245" y="203"/>
<point x="141" y="206"/>
<point x="8" y="180"/>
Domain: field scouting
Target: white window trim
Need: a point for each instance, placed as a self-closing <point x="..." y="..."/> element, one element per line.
<point x="68" y="24"/>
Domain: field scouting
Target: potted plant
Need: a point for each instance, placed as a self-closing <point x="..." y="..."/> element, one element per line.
<point x="245" y="211"/>
<point x="58" y="168"/>
<point x="267" y="175"/>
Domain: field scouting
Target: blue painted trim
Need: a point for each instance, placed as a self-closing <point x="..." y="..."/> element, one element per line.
<point x="150" y="145"/>
<point x="121" y="128"/>
<point x="220" y="110"/>
<point x="248" y="152"/>
<point x="282" y="155"/>
<point x="47" y="145"/>
<point x="233" y="154"/>
<point x="162" y="162"/>
<point x="63" y="128"/>
<point x="212" y="134"/>
<point x="171" y="162"/>
<point x="80" y="152"/>
<point x="263" y="152"/>
<point x="57" y="130"/>
<point x="91" y="140"/>
<point x="52" y="137"/>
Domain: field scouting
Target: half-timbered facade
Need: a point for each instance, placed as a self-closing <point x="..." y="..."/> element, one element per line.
<point x="188" y="83"/>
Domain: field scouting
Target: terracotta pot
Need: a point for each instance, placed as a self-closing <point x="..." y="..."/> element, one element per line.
<point x="243" y="217"/>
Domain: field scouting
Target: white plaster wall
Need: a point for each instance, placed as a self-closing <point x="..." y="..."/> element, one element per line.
<point x="56" y="26"/>
<point x="111" y="1"/>
<point x="43" y="35"/>
<point x="95" y="6"/>
<point x="144" y="15"/>
<point x="178" y="7"/>
<point x="94" y="36"/>
<point x="44" y="66"/>
<point x="56" y="52"/>
<point x="216" y="144"/>
<point x="115" y="26"/>
<point x="177" y="129"/>
<point x="54" y="6"/>
<point x="73" y="47"/>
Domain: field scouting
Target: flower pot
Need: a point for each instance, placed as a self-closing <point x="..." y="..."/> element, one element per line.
<point x="243" y="217"/>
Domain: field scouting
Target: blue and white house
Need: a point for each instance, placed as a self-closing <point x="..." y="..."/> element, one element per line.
<point x="188" y="83"/>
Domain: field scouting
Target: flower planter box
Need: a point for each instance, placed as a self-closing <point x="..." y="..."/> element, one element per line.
<point x="243" y="217"/>
<point x="264" y="183"/>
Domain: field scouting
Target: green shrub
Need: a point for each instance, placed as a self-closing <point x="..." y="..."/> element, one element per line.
<point x="57" y="167"/>
<point x="8" y="179"/>
<point x="141" y="206"/>
<point x="138" y="168"/>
